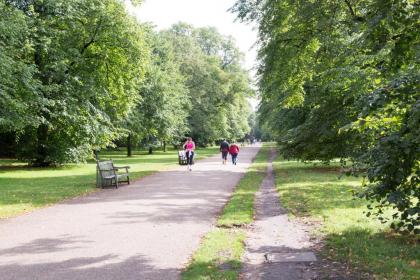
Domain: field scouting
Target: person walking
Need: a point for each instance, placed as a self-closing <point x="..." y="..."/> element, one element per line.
<point x="189" y="147"/>
<point x="234" y="151"/>
<point x="224" y="149"/>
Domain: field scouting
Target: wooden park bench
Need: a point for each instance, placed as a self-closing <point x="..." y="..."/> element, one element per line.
<point x="109" y="175"/>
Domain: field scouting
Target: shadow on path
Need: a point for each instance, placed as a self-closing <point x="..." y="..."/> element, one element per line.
<point x="106" y="267"/>
<point x="146" y="230"/>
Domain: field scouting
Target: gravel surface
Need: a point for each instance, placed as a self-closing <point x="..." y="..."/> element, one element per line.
<point x="147" y="230"/>
<point x="273" y="234"/>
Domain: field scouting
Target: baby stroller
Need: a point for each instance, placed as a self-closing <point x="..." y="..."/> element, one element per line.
<point x="182" y="158"/>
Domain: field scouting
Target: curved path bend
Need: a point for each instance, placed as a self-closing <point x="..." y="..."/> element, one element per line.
<point x="147" y="230"/>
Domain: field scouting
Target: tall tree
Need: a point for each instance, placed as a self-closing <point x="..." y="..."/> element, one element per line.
<point x="20" y="98"/>
<point x="340" y="79"/>
<point x="89" y="58"/>
<point x="164" y="103"/>
<point x="216" y="82"/>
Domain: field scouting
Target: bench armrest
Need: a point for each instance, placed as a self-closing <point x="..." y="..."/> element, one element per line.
<point x="121" y="167"/>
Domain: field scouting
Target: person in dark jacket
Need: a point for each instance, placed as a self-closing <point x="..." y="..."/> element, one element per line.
<point x="224" y="149"/>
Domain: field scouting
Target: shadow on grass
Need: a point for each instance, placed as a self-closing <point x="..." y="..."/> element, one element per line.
<point x="364" y="245"/>
<point x="303" y="200"/>
<point x="218" y="257"/>
<point x="387" y="255"/>
<point x="305" y="188"/>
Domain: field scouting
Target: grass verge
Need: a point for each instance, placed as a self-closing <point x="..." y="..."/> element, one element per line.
<point x="219" y="255"/>
<point x="23" y="189"/>
<point x="350" y="237"/>
<point x="240" y="209"/>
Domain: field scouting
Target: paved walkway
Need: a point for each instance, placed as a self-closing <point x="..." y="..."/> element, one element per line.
<point x="144" y="231"/>
<point x="276" y="248"/>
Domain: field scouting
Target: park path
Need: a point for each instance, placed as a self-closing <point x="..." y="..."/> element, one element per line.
<point x="276" y="248"/>
<point x="147" y="230"/>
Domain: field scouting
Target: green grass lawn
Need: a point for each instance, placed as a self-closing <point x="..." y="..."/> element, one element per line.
<point x="240" y="209"/>
<point x="350" y="237"/>
<point x="219" y="255"/>
<point x="24" y="189"/>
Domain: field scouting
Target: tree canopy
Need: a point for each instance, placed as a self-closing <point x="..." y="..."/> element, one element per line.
<point x="83" y="63"/>
<point x="163" y="108"/>
<point x="77" y="76"/>
<point x="341" y="79"/>
<point x="216" y="81"/>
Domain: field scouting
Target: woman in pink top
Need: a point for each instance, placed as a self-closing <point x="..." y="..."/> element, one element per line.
<point x="189" y="147"/>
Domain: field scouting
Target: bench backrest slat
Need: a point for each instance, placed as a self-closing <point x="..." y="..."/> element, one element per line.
<point x="106" y="167"/>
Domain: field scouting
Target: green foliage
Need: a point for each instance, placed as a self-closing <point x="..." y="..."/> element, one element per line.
<point x="340" y="79"/>
<point x="393" y="117"/>
<point x="86" y="60"/>
<point x="163" y="108"/>
<point x="77" y="76"/>
<point x="19" y="90"/>
<point x="217" y="85"/>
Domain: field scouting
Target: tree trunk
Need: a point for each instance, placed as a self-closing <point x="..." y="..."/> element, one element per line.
<point x="150" y="150"/>
<point x="129" y="147"/>
<point x="164" y="146"/>
<point x="41" y="147"/>
<point x="41" y="153"/>
<point x="96" y="153"/>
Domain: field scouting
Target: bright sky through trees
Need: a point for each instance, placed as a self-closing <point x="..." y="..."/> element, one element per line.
<point x="164" y="13"/>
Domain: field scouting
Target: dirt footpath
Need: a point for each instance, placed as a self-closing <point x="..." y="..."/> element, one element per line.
<point x="276" y="248"/>
<point x="147" y="230"/>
